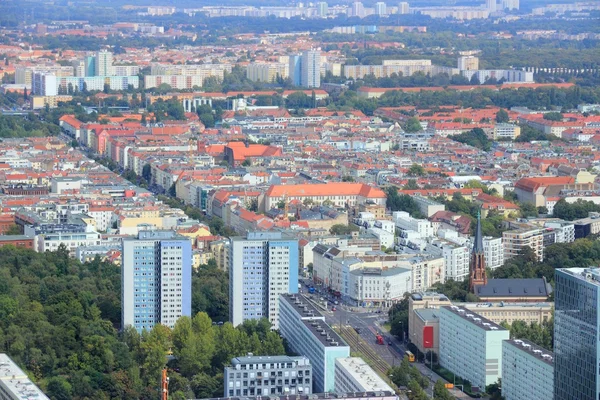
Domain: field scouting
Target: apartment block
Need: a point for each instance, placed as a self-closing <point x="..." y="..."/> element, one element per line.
<point x="354" y="375"/>
<point x="262" y="266"/>
<point x="527" y="371"/>
<point x="15" y="384"/>
<point x="267" y="72"/>
<point x="405" y="222"/>
<point x="306" y="332"/>
<point x="268" y="375"/>
<point x="516" y="240"/>
<point x="456" y="258"/>
<point x="493" y="252"/>
<point x="156" y="279"/>
<point x="471" y="346"/>
<point x="506" y="131"/>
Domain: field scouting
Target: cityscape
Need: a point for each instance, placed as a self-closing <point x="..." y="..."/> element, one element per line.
<point x="289" y="200"/>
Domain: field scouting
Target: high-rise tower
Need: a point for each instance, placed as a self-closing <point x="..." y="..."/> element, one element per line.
<point x="477" y="275"/>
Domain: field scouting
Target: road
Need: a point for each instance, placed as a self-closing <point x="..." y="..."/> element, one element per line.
<point x="369" y="324"/>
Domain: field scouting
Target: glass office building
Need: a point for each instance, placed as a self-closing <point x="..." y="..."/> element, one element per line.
<point x="576" y="354"/>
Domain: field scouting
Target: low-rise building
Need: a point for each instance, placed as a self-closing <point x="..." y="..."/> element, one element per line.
<point x="353" y="375"/>
<point x="15" y="384"/>
<point x="427" y="206"/>
<point x="471" y="346"/>
<point x="527" y="371"/>
<point x="268" y="375"/>
<point x="506" y="131"/>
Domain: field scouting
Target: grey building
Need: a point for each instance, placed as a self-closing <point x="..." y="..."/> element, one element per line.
<point x="268" y="375"/>
<point x="576" y="341"/>
<point x="527" y="371"/>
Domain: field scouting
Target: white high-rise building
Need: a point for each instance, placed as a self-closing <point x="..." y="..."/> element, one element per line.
<point x="403" y="8"/>
<point x="322" y="9"/>
<point x="358" y="9"/>
<point x="311" y="68"/>
<point x="262" y="266"/>
<point x="156" y="279"/>
<point x="380" y="8"/>
<point x="527" y="371"/>
<point x="491" y="5"/>
<point x="468" y="63"/>
<point x="104" y="63"/>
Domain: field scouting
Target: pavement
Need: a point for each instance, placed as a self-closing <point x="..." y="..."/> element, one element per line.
<point x="369" y="322"/>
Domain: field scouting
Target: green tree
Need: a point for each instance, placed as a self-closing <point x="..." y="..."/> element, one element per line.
<point x="59" y="389"/>
<point x="339" y="229"/>
<point x="412" y="125"/>
<point x="553" y="116"/>
<point x="440" y="392"/>
<point x="416" y="170"/>
<point x="13" y="229"/>
<point x="502" y="116"/>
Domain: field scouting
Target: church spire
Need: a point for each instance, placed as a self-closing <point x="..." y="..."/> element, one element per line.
<point x="477" y="274"/>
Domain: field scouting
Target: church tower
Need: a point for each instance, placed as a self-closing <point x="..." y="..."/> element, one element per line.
<point x="477" y="275"/>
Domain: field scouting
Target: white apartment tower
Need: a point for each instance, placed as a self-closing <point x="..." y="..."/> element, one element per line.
<point x="311" y="68"/>
<point x="104" y="63"/>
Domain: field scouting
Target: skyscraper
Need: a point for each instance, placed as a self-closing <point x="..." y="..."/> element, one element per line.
<point x="262" y="266"/>
<point x="104" y="63"/>
<point x="576" y="335"/>
<point x="295" y="69"/>
<point x="311" y="68"/>
<point x="156" y="279"/>
<point x="477" y="275"/>
<point x="322" y="9"/>
<point x="358" y="9"/>
<point x="380" y="8"/>
<point x="403" y="7"/>
<point x="491" y="5"/>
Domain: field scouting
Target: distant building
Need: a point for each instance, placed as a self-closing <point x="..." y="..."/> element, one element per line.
<point x="353" y="374"/>
<point x="468" y="63"/>
<point x="322" y="9"/>
<point x="527" y="371"/>
<point x="156" y="279"/>
<point x="328" y="396"/>
<point x="403" y="7"/>
<point x="515" y="241"/>
<point x="306" y="332"/>
<point x="15" y="384"/>
<point x="262" y="266"/>
<point x="380" y="8"/>
<point x="506" y="131"/>
<point x="267" y="376"/>
<point x="471" y="346"/>
<point x="295" y="69"/>
<point x="104" y="63"/>
<point x="576" y="346"/>
<point x="311" y="69"/>
<point x="514" y="290"/>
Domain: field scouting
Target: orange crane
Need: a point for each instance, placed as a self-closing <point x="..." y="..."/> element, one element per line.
<point x="164" y="385"/>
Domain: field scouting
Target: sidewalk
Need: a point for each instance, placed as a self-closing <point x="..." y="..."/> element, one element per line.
<point x="433" y="377"/>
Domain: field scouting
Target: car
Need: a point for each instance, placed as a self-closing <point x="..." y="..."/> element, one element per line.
<point x="357" y="329"/>
<point x="333" y="308"/>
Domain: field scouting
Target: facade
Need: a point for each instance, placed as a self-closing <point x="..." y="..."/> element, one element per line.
<point x="295" y="69"/>
<point x="576" y="348"/>
<point x="510" y="312"/>
<point x="267" y="72"/>
<point x="425" y="332"/>
<point x="104" y="63"/>
<point x="477" y="273"/>
<point x="15" y="384"/>
<point x="306" y="332"/>
<point x="156" y="279"/>
<point x="527" y="371"/>
<point x="405" y="222"/>
<point x="380" y="8"/>
<point x="471" y="346"/>
<point x="268" y="375"/>
<point x="506" y="131"/>
<point x="427" y="206"/>
<point x="328" y="396"/>
<point x="44" y="84"/>
<point x="403" y="7"/>
<point x="377" y="286"/>
<point x="515" y="241"/>
<point x="179" y="82"/>
<point x="311" y="69"/>
<point x="262" y="266"/>
<point x="468" y="63"/>
<point x="493" y="251"/>
<point x="353" y="375"/>
<point x="456" y="258"/>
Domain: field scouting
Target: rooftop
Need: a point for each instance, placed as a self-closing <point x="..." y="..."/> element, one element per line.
<point x="250" y="359"/>
<point x="590" y="275"/>
<point x="14" y="380"/>
<point x="473" y="318"/>
<point x="427" y="314"/>
<point x="316" y="396"/>
<point x="534" y="350"/>
<point x="531" y="287"/>
<point x="363" y="373"/>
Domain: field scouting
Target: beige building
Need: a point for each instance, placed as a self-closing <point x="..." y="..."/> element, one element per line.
<point x="499" y="312"/>
<point x="267" y="72"/>
<point x="220" y="252"/>
<point x="506" y="131"/>
<point x="38" y="102"/>
<point x="515" y="241"/>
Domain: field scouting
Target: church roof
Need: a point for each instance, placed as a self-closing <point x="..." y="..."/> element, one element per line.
<point x="530" y="287"/>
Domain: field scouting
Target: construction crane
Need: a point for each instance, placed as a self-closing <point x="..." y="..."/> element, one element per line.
<point x="164" y="386"/>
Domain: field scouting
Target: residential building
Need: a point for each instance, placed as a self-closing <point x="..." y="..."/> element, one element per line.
<point x="576" y="345"/>
<point x="295" y="69"/>
<point x="262" y="266"/>
<point x="156" y="279"/>
<point x="322" y="9"/>
<point x="267" y="72"/>
<point x="471" y="346"/>
<point x="468" y="63"/>
<point x="506" y="131"/>
<point x="427" y="206"/>
<point x="44" y="84"/>
<point x="20" y="241"/>
<point x="15" y="384"/>
<point x="380" y="8"/>
<point x="268" y="375"/>
<point x="311" y="69"/>
<point x="527" y="371"/>
<point x="456" y="258"/>
<point x="306" y="332"/>
<point x="517" y="240"/>
<point x="403" y="7"/>
<point x="339" y="194"/>
<point x="104" y="63"/>
<point x="377" y="286"/>
<point x="493" y="251"/>
<point x="405" y="222"/>
<point x="178" y="82"/>
<point x="587" y="226"/>
<point x="354" y="375"/>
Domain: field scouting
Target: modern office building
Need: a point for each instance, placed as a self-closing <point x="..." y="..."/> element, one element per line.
<point x="268" y="375"/>
<point x="470" y="345"/>
<point x="306" y="332"/>
<point x="262" y="266"/>
<point x="311" y="68"/>
<point x="576" y="341"/>
<point x="527" y="371"/>
<point x="15" y="384"/>
<point x="353" y="375"/>
<point x="156" y="279"/>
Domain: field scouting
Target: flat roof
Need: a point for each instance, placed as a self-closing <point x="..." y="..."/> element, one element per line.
<point x="427" y="314"/>
<point x="315" y="396"/>
<point x="15" y="381"/>
<point x="536" y="351"/>
<point x="380" y="271"/>
<point x="363" y="374"/>
<point x="591" y="274"/>
<point x="473" y="318"/>
<point x="268" y="359"/>
<point x="509" y="304"/>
